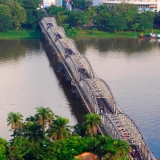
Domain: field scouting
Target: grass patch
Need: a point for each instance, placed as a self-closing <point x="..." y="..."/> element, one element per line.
<point x="22" y="34"/>
<point x="72" y="33"/>
<point x="93" y="33"/>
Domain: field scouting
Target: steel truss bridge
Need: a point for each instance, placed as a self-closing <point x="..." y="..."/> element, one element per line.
<point x="94" y="92"/>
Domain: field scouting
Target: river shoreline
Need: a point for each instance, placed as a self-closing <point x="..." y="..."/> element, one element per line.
<point x="71" y="33"/>
<point x="22" y="34"/>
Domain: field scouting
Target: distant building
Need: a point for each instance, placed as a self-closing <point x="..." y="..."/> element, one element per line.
<point x="48" y="3"/>
<point x="143" y="5"/>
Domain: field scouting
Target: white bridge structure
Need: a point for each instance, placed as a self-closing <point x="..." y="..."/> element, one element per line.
<point x="94" y="92"/>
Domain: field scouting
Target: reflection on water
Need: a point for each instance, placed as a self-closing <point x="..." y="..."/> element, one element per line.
<point x="129" y="46"/>
<point x="131" y="67"/>
<point x="27" y="81"/>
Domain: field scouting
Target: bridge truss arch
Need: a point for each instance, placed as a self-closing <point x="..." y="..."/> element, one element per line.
<point x="79" y="66"/>
<point x="111" y="101"/>
<point x="73" y="67"/>
<point x="66" y="46"/>
<point x="87" y="90"/>
<point x="100" y="90"/>
<point x="110" y="127"/>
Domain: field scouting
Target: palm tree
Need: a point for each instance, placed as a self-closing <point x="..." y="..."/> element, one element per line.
<point x="15" y="120"/>
<point x="59" y="129"/>
<point x="80" y="130"/>
<point x="44" y="116"/>
<point x="104" y="148"/>
<point x="121" y="148"/>
<point x="91" y="122"/>
<point x="33" y="132"/>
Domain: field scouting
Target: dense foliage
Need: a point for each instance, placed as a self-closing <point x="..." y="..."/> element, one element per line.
<point x="121" y="17"/>
<point x="48" y="136"/>
<point x="5" y="23"/>
<point x="19" y="13"/>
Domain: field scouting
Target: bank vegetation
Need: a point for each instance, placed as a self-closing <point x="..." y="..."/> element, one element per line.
<point x="83" y="21"/>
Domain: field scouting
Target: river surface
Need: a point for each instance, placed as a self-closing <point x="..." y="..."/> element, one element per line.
<point x="131" y="67"/>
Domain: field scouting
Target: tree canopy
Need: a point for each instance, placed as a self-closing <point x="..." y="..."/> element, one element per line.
<point x="33" y="141"/>
<point x="18" y="14"/>
<point x="120" y="17"/>
<point x="5" y="23"/>
<point x="21" y="13"/>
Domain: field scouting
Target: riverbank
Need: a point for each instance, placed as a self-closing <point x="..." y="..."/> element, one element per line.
<point x="71" y="33"/>
<point x="93" y="33"/>
<point x="22" y="34"/>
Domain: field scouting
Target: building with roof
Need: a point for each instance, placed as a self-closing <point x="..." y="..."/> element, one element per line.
<point x="143" y="5"/>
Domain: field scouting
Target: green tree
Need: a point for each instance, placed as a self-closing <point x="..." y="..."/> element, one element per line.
<point x="3" y="148"/>
<point x="102" y="17"/>
<point x="104" y="147"/>
<point x="53" y="10"/>
<point x="33" y="132"/>
<point x="44" y="116"/>
<point x="91" y="13"/>
<point x="124" y="8"/>
<point x="5" y="23"/>
<point x="62" y="17"/>
<point x="33" y="17"/>
<point x="59" y="129"/>
<point x="80" y="130"/>
<point x="15" y="120"/>
<point x="144" y="20"/>
<point x="135" y="26"/>
<point x="30" y="4"/>
<point x="117" y="23"/>
<point x="78" y="19"/>
<point x="4" y="10"/>
<point x="18" y="14"/>
<point x="31" y="142"/>
<point x="91" y="122"/>
<point x="122" y="148"/>
<point x="19" y="148"/>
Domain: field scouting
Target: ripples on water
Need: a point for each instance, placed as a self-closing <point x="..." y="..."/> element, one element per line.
<point x="131" y="67"/>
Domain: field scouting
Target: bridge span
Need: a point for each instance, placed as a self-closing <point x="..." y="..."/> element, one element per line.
<point x="95" y="92"/>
